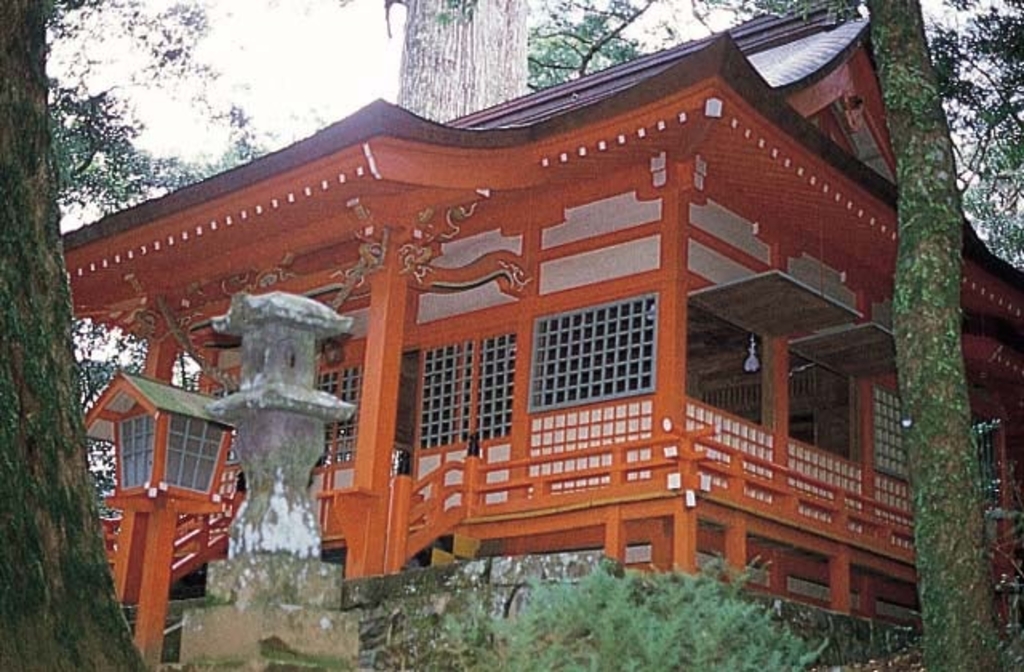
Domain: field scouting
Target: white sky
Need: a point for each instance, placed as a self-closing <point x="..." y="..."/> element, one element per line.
<point x="294" y="66"/>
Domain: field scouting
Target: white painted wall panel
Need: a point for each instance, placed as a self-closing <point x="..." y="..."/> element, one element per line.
<point x="714" y="266"/>
<point x="726" y="225"/>
<point x="608" y="263"/>
<point x="598" y="218"/>
<point x="464" y="251"/>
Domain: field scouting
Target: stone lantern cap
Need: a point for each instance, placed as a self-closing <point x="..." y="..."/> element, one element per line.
<point x="278" y="333"/>
<point x="281" y="397"/>
<point x="249" y="312"/>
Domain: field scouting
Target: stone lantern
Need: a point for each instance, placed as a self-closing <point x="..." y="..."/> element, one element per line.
<point x="279" y="419"/>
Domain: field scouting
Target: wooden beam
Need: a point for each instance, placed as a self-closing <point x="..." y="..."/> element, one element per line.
<point x="398" y="524"/>
<point x="160" y="357"/>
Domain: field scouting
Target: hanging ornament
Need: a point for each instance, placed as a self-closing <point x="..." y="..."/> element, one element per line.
<point x="752" y="364"/>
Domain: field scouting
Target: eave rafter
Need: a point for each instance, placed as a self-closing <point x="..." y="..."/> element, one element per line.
<point x="985" y="294"/>
<point x="849" y="227"/>
<point x="241" y="236"/>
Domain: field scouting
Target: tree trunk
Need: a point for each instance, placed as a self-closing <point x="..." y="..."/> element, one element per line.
<point x="57" y="610"/>
<point x="462" y="56"/>
<point x="954" y="583"/>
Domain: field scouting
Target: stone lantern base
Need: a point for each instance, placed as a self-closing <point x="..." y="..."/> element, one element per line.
<point x="271" y="612"/>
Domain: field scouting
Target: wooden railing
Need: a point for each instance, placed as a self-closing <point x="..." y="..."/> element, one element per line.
<point x="813" y="489"/>
<point x="735" y="459"/>
<point x="328" y="481"/>
<point x="608" y="453"/>
<point x="439" y="500"/>
<point x="201" y="538"/>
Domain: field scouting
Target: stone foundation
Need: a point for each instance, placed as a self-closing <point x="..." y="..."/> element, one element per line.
<point x="390" y="606"/>
<point x="370" y="624"/>
<point x="270" y="612"/>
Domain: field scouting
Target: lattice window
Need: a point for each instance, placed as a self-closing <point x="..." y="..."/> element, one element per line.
<point x="494" y="398"/>
<point x="136" y="436"/>
<point x="890" y="456"/>
<point x="192" y="450"/>
<point x="340" y="437"/>
<point x="984" y="432"/>
<point x="447" y="396"/>
<point x="597" y="353"/>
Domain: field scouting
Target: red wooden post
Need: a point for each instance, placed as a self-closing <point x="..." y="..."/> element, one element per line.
<point x="866" y="414"/>
<point x="160" y="358"/>
<point x="839" y="580"/>
<point x="614" y="534"/>
<point x="684" y="538"/>
<point x="736" y="543"/>
<point x="472" y="479"/>
<point x="398" y="524"/>
<point x="156" y="582"/>
<point x="378" y="407"/>
<point x="775" y="395"/>
<point x="131" y="548"/>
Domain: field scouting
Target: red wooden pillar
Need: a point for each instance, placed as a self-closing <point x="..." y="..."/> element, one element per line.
<point x="398" y="528"/>
<point x="614" y="534"/>
<point x="378" y="408"/>
<point x="670" y="397"/>
<point x="777" y="572"/>
<point x="156" y="582"/>
<point x="839" y="580"/>
<point x="128" y="560"/>
<point x="867" y="594"/>
<point x="866" y="413"/>
<point x="736" y="543"/>
<point x="775" y="395"/>
<point x="661" y="545"/>
<point x="472" y="480"/>
<point x="684" y="538"/>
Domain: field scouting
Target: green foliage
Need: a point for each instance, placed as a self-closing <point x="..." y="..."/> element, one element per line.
<point x="744" y="10"/>
<point x="103" y="55"/>
<point x="634" y="622"/>
<point x="577" y="37"/>
<point x="980" y="66"/>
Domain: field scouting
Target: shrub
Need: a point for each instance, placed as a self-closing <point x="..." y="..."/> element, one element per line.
<point x="629" y="623"/>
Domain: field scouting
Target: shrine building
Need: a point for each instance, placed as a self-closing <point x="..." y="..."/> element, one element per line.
<point x="647" y="311"/>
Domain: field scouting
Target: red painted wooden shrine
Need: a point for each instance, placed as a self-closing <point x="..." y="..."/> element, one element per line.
<point x="647" y="311"/>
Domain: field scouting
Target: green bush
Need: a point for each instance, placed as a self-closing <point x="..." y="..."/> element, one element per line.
<point x="631" y="623"/>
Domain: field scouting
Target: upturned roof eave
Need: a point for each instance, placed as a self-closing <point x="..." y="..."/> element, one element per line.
<point x="381" y="119"/>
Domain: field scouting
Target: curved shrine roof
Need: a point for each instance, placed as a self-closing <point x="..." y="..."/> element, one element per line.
<point x="557" y="109"/>
<point x="761" y="59"/>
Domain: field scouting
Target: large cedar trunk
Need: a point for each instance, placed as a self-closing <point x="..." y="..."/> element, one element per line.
<point x="463" y="56"/>
<point x="954" y="582"/>
<point x="57" y="609"/>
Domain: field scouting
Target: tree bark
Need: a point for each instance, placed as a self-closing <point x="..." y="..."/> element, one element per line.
<point x="57" y="608"/>
<point x="463" y="56"/>
<point x="954" y="583"/>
